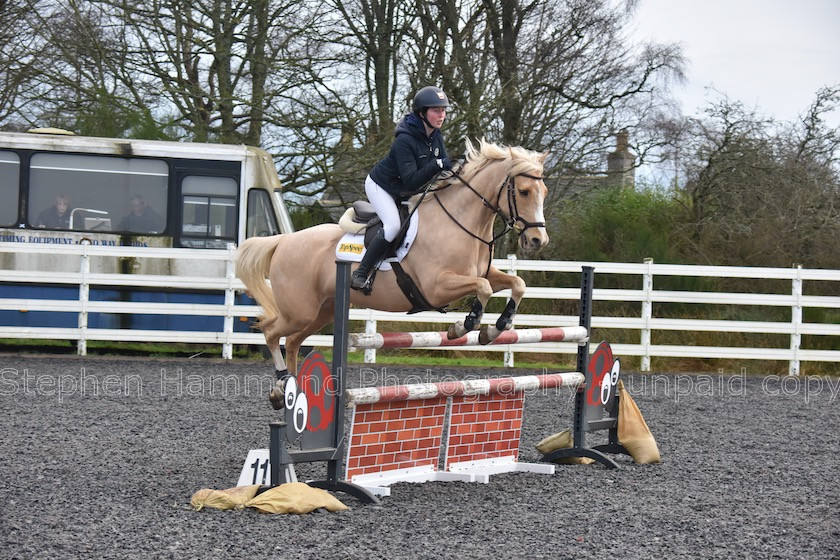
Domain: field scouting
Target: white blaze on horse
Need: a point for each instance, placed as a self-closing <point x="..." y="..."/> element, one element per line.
<point x="449" y="259"/>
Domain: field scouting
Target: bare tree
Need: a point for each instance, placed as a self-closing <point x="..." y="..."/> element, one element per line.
<point x="374" y="30"/>
<point x="211" y="60"/>
<point x="760" y="192"/>
<point x="16" y="57"/>
<point x="561" y="76"/>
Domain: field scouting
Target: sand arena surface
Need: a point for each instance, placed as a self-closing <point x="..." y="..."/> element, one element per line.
<point x="100" y="457"/>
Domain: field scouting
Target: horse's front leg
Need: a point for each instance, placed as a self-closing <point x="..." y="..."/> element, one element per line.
<point x="470" y="323"/>
<point x="450" y="287"/>
<point x="500" y="281"/>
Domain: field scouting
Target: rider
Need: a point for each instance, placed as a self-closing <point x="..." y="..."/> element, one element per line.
<point x="416" y="156"/>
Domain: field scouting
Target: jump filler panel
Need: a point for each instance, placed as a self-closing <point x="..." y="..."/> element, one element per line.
<point x="397" y="433"/>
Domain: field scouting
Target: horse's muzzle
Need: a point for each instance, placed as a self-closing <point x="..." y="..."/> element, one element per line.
<point x="533" y="239"/>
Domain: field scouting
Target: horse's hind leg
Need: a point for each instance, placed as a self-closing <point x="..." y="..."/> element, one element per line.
<point x="293" y="343"/>
<point x="281" y="370"/>
<point x="269" y="328"/>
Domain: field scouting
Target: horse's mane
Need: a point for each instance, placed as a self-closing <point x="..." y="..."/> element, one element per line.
<point x="519" y="159"/>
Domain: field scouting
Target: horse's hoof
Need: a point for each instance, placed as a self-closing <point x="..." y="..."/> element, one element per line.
<point x="488" y="334"/>
<point x="456" y="331"/>
<point x="277" y="402"/>
<point x="277" y="395"/>
<point x="485" y="336"/>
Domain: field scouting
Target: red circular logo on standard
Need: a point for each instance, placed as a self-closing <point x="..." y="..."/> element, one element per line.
<point x="603" y="370"/>
<point x="310" y="397"/>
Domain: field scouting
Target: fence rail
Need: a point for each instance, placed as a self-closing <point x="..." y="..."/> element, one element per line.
<point x="646" y="323"/>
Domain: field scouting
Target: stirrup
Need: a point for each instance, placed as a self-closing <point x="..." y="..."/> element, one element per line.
<point x="358" y="281"/>
<point x="367" y="287"/>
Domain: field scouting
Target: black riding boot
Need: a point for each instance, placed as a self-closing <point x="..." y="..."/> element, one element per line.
<point x="375" y="252"/>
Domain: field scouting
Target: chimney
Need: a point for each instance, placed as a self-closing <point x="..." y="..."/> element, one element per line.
<point x="621" y="171"/>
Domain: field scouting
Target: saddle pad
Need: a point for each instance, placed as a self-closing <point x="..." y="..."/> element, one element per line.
<point x="351" y="247"/>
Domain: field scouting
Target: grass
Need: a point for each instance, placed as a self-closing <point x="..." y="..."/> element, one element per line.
<point x="420" y="358"/>
<point x="172" y="350"/>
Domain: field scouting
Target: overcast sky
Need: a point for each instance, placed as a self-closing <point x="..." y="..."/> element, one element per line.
<point x="772" y="55"/>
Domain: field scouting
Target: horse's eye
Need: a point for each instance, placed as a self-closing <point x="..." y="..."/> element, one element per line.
<point x="523" y="193"/>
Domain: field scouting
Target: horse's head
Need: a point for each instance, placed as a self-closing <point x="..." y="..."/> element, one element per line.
<point x="526" y="194"/>
<point x="519" y="200"/>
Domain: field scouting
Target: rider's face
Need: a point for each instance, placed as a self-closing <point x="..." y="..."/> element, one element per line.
<point x="436" y="116"/>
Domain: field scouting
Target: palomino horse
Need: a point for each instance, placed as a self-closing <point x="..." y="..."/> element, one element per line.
<point x="449" y="259"/>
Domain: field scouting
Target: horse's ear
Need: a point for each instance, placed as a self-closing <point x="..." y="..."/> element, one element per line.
<point x="542" y="157"/>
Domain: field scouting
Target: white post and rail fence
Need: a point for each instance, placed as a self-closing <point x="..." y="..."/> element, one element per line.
<point x="647" y="300"/>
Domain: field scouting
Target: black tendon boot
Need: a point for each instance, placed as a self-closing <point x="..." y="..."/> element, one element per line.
<point x="375" y="252"/>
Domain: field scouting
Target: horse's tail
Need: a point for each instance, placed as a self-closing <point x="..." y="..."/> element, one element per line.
<point x="253" y="260"/>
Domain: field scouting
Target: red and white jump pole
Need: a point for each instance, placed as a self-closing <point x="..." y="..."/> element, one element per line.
<point x="467" y="388"/>
<point x="362" y="341"/>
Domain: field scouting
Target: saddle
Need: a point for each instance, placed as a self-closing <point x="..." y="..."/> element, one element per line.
<point x="362" y="218"/>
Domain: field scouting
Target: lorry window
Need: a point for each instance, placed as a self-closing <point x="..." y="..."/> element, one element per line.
<point x="208" y="218"/>
<point x="100" y="193"/>
<point x="261" y="221"/>
<point x="9" y="187"/>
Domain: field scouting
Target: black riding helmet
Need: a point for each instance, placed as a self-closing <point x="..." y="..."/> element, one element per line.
<point x="429" y="96"/>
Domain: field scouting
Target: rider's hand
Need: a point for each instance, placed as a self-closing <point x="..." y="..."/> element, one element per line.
<point x="445" y="163"/>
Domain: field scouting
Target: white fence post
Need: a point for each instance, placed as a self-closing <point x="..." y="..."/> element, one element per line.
<point x="84" y="296"/>
<point x="647" y="313"/>
<point x="370" y="328"/>
<point x="508" y="356"/>
<point x="796" y="320"/>
<point x="230" y="299"/>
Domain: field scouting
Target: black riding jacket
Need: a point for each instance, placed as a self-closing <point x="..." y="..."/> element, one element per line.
<point x="412" y="160"/>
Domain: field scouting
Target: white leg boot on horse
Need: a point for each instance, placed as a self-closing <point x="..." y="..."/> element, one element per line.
<point x="451" y="257"/>
<point x="281" y="371"/>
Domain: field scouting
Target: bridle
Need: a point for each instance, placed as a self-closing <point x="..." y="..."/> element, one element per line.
<point x="510" y="221"/>
<point x="511" y="193"/>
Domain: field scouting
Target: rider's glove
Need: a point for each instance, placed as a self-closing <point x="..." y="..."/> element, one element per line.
<point x="444" y="163"/>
